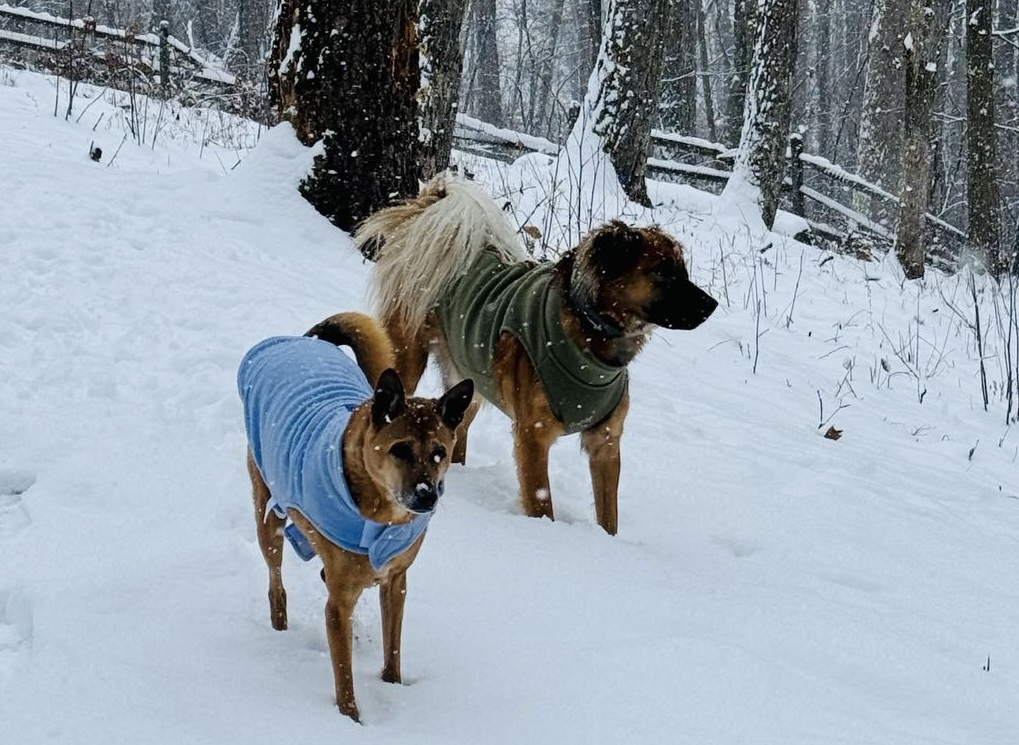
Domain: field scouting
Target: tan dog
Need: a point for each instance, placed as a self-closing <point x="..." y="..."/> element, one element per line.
<point x="358" y="472"/>
<point x="546" y="343"/>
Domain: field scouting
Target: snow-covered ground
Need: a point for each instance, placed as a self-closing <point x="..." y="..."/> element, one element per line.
<point x="768" y="585"/>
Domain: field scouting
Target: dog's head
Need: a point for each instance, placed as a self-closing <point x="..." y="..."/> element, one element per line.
<point x="407" y="449"/>
<point x="638" y="276"/>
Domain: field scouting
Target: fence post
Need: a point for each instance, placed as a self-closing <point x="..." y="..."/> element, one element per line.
<point x="164" y="57"/>
<point x="796" y="173"/>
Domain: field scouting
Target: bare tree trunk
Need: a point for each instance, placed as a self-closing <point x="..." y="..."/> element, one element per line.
<point x="485" y="93"/>
<point x="595" y="23"/>
<point x="915" y="169"/>
<point x="744" y="31"/>
<point x="441" y="65"/>
<point x="548" y="52"/>
<point x="822" y="64"/>
<point x="982" y="179"/>
<point x="759" y="170"/>
<point x="879" y="148"/>
<point x="347" y="73"/>
<point x="623" y="93"/>
<point x="706" y="87"/>
<point x="251" y="26"/>
<point x="679" y="76"/>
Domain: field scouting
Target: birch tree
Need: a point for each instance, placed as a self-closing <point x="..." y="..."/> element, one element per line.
<point x="759" y="171"/>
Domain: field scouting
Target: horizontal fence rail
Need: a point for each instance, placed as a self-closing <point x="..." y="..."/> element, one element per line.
<point x="709" y="164"/>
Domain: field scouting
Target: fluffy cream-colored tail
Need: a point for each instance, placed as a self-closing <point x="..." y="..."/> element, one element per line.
<point x="426" y="241"/>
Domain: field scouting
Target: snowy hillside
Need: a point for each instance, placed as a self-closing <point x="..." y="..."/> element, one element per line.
<point x="767" y="585"/>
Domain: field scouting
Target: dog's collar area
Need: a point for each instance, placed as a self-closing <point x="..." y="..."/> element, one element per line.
<point x="595" y="321"/>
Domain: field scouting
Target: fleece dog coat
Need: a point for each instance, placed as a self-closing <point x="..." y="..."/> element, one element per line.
<point x="523" y="300"/>
<point x="298" y="394"/>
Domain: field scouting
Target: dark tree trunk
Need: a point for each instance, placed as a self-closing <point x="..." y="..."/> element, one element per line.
<point x="760" y="160"/>
<point x="982" y="184"/>
<point x="441" y="64"/>
<point x="347" y="73"/>
<point x="251" y="26"/>
<point x="628" y="73"/>
<point x="485" y="92"/>
<point x="594" y="25"/>
<point x="879" y="147"/>
<point x="546" y="48"/>
<point x="744" y="32"/>
<point x="679" y="76"/>
<point x="921" y="54"/>
<point x="706" y="87"/>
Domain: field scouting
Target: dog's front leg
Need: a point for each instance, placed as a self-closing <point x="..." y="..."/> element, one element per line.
<point x="531" y="443"/>
<point x="392" y="594"/>
<point x="339" y="610"/>
<point x="601" y="443"/>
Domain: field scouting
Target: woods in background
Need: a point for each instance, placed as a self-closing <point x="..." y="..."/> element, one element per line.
<point x="918" y="97"/>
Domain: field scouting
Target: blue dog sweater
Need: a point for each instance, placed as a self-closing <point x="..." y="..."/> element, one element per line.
<point x="298" y="394"/>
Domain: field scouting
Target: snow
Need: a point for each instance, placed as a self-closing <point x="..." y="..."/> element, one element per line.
<point x="768" y="585"/>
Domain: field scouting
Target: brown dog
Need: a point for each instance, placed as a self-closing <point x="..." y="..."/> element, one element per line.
<point x="357" y="471"/>
<point x="546" y="343"/>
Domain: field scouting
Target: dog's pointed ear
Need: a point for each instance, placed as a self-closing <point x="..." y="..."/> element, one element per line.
<point x="389" y="400"/>
<point x="454" y="402"/>
<point x="616" y="248"/>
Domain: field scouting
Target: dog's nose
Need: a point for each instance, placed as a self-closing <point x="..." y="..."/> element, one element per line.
<point x="426" y="494"/>
<point x="708" y="306"/>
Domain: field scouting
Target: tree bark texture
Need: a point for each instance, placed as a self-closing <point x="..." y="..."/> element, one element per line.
<point x="706" y="86"/>
<point x="628" y="73"/>
<point x="744" y="32"/>
<point x="679" y="77"/>
<point x="485" y="92"/>
<point x="441" y="65"/>
<point x="347" y="73"/>
<point x="760" y="160"/>
<point x="983" y="202"/>
<point x="879" y="147"/>
<point x="921" y="53"/>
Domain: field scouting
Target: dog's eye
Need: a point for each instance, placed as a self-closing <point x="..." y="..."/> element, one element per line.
<point x="402" y="451"/>
<point x="438" y="455"/>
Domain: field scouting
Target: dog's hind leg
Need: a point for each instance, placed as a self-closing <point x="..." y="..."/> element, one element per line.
<point x="269" y="527"/>
<point x="601" y="443"/>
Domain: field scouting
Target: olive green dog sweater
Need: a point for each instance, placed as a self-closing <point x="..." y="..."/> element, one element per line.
<point x="492" y="298"/>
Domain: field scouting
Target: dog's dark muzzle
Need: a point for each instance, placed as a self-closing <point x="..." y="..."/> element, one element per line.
<point x="424" y="497"/>
<point x="683" y="306"/>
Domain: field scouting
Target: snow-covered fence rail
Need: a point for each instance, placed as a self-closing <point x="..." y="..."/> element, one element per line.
<point x="816" y="188"/>
<point x="99" y="53"/>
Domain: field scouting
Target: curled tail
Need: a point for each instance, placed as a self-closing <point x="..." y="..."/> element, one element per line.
<point x="424" y="242"/>
<point x="364" y="335"/>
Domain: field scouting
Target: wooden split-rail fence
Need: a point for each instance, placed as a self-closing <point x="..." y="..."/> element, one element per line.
<point x="831" y="199"/>
<point x="82" y="49"/>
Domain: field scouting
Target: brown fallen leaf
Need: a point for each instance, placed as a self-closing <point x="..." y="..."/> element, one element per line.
<point x="833" y="434"/>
